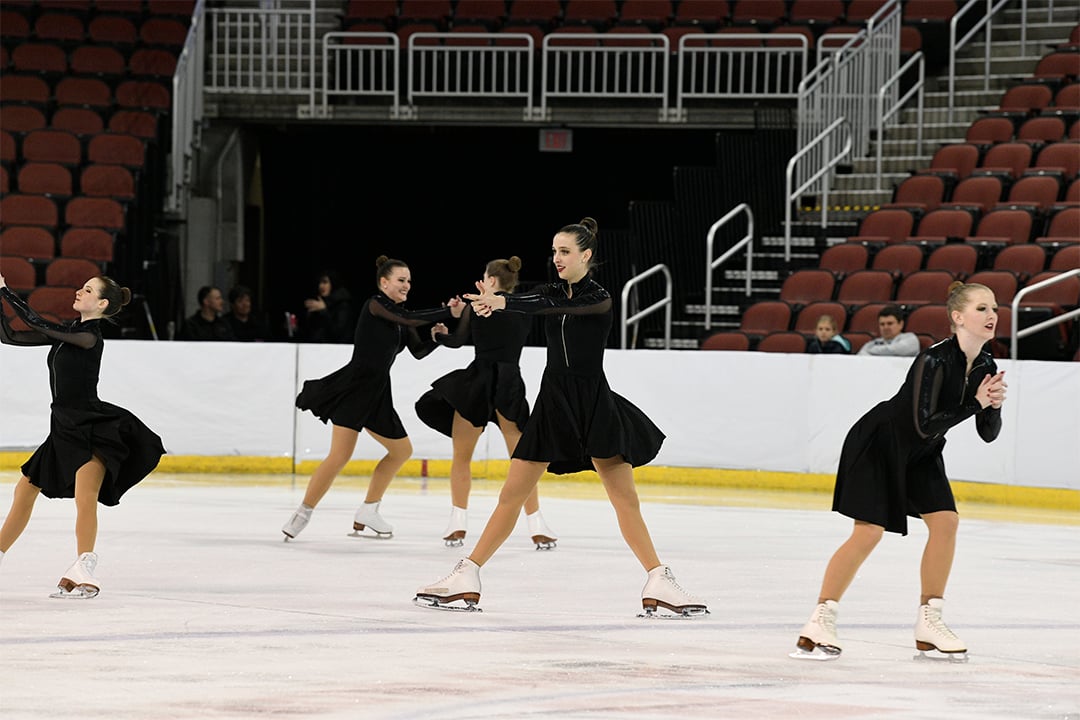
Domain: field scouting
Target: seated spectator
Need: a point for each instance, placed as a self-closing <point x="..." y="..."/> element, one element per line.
<point x="207" y="323"/>
<point x="246" y="325"/>
<point x="893" y="341"/>
<point x="331" y="317"/>
<point x="827" y="339"/>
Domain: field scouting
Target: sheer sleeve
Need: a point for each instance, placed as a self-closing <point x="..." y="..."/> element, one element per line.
<point x="592" y="299"/>
<point x="419" y="347"/>
<point x="930" y="419"/>
<point x="392" y="312"/>
<point x="460" y="335"/>
<point x="42" y="331"/>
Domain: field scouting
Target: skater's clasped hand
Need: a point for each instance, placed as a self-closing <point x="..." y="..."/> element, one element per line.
<point x="991" y="392"/>
<point x="2" y="283"/>
<point x="486" y="301"/>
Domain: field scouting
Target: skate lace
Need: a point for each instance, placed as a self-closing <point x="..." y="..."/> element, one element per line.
<point x="826" y="619"/>
<point x="932" y="620"/>
<point x="456" y="571"/>
<point x="675" y="584"/>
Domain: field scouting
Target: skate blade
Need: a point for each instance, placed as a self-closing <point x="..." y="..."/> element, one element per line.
<point x="78" y="592"/>
<point x="358" y="533"/>
<point x="454" y="542"/>
<point x="819" y="653"/>
<point x="432" y="603"/>
<point x="936" y="655"/>
<point x="667" y="613"/>
<point x="544" y="543"/>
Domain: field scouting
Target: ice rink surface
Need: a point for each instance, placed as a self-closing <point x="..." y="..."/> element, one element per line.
<point x="206" y="613"/>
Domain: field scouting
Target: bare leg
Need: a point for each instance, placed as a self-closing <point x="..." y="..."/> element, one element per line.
<point x="22" y="504"/>
<point x="342" y="444"/>
<point x="465" y="436"/>
<point x="397" y="453"/>
<point x="511" y="435"/>
<point x="938" y="554"/>
<point x="618" y="478"/>
<point x="520" y="481"/>
<point x="848" y="558"/>
<point x="88" y="481"/>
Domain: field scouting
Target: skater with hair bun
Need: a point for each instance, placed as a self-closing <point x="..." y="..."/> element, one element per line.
<point x="577" y="424"/>
<point x="95" y="451"/>
<point x="462" y="403"/>
<point x="358" y="396"/>
<point x="891" y="466"/>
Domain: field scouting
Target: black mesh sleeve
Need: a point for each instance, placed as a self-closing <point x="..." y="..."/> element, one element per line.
<point x="42" y="331"/>
<point x="393" y="312"/>
<point x="460" y="336"/>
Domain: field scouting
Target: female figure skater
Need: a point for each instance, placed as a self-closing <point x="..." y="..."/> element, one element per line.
<point x="462" y="403"/>
<point x="358" y="396"/>
<point x="891" y="466"/>
<point x="95" y="451"/>
<point x="578" y="423"/>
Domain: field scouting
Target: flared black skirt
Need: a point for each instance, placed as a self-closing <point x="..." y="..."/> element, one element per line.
<point x="476" y="393"/>
<point x="129" y="449"/>
<point x="353" y="399"/>
<point x="577" y="418"/>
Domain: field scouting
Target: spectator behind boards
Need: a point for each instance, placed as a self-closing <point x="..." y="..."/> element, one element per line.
<point x="207" y="323"/>
<point x="331" y="315"/>
<point x="893" y="341"/>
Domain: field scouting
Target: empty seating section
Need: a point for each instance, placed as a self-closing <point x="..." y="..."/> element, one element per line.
<point x="84" y="88"/>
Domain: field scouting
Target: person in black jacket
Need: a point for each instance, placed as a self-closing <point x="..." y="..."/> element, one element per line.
<point x="891" y="466"/>
<point x="207" y="322"/>
<point x="461" y="403"/>
<point x="359" y="397"/>
<point x="95" y="451"/>
<point x="577" y="424"/>
<point x="331" y="314"/>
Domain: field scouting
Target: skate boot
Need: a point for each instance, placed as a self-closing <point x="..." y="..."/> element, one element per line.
<point x="79" y="581"/>
<point x="817" y="640"/>
<point x="368" y="517"/>
<point x="933" y="638"/>
<point x="459" y="524"/>
<point x="463" y="583"/>
<point x="663" y="591"/>
<point x="297" y="522"/>
<point x="540" y="532"/>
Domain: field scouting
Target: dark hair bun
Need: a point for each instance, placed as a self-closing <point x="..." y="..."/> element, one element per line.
<point x="380" y="261"/>
<point x="125" y="296"/>
<point x="514" y="263"/>
<point x="953" y="286"/>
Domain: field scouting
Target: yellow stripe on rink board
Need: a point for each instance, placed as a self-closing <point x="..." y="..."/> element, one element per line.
<point x="1063" y="501"/>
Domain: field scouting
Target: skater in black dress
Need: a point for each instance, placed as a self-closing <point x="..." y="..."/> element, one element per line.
<point x="577" y="424"/>
<point x="95" y="451"/>
<point x="462" y="403"/>
<point x="358" y="396"/>
<point x="891" y="467"/>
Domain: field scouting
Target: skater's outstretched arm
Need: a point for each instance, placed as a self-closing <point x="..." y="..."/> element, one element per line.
<point x="550" y="299"/>
<point x="386" y="309"/>
<point x="42" y="331"/>
<point x="460" y="335"/>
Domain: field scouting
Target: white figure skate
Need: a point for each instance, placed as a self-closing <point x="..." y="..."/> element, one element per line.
<point x="817" y="639"/>
<point x="541" y="534"/>
<point x="79" y="582"/>
<point x="368" y="517"/>
<point x="663" y="591"/>
<point x="463" y="583"/>
<point x="456" y="529"/>
<point x="297" y="522"/>
<point x="933" y="638"/>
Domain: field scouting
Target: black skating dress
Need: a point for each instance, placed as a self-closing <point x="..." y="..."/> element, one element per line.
<point x="491" y="382"/>
<point x="359" y="395"/>
<point x="577" y="416"/>
<point x="891" y="464"/>
<point x="81" y="425"/>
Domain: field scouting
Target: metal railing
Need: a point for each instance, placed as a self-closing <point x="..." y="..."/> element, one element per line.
<point x="987" y="21"/>
<point x="640" y="315"/>
<point x="1015" y="333"/>
<point x="465" y="70"/>
<point x="747" y="241"/>
<point x="884" y="114"/>
<point x="360" y="65"/>
<point x="187" y="113"/>
<point x="822" y="174"/>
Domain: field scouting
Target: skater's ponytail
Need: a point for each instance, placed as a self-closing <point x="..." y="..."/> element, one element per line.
<point x="117" y="297"/>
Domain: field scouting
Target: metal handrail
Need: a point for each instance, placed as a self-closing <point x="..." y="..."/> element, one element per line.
<point x="988" y="21"/>
<point x="711" y="265"/>
<point x="638" y="316"/>
<point x="882" y="115"/>
<point x="790" y="196"/>
<point x="1015" y="333"/>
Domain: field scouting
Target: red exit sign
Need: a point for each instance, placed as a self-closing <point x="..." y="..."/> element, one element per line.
<point x="556" y="140"/>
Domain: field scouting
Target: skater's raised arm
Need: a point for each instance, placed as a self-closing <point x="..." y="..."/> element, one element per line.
<point x="43" y="332"/>
<point x="391" y="311"/>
